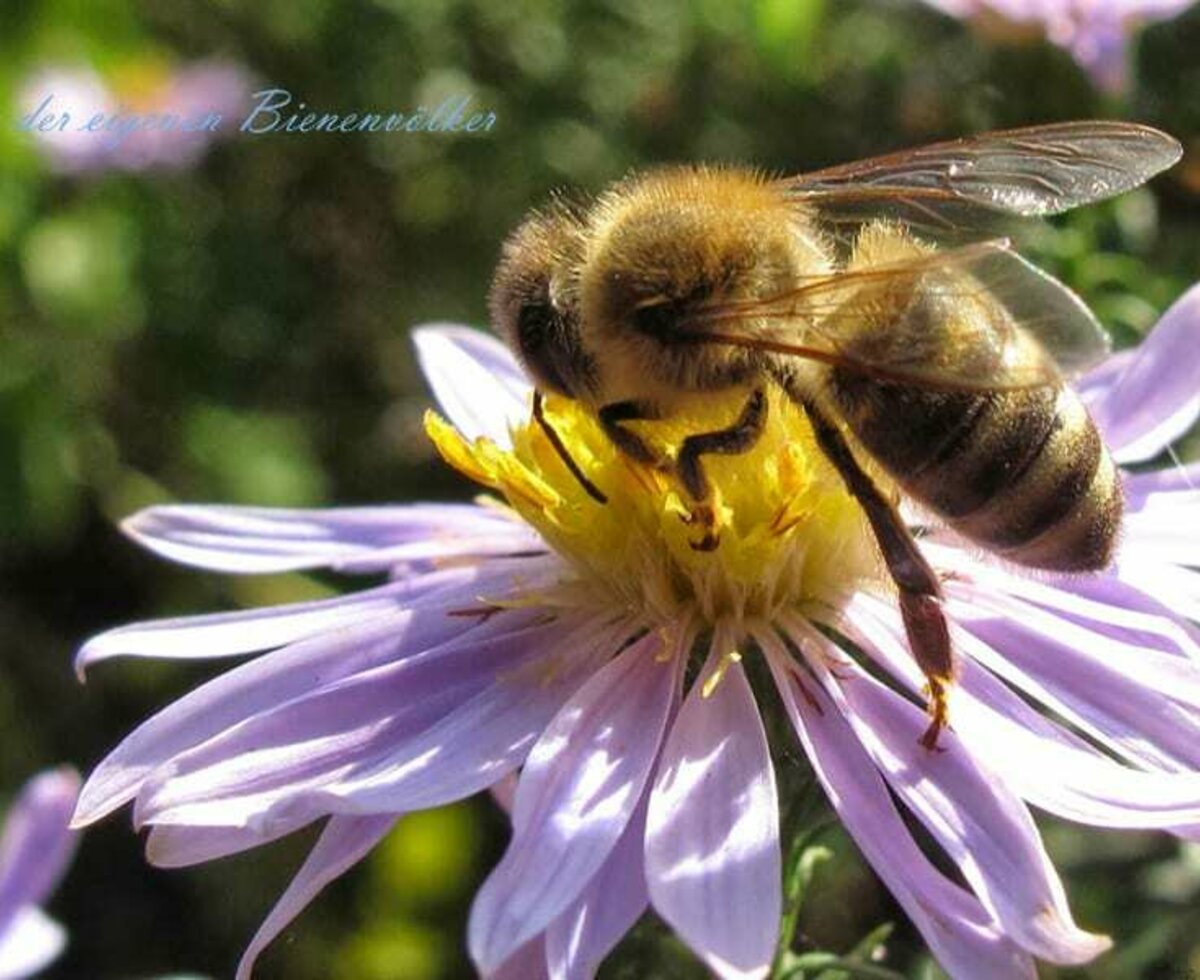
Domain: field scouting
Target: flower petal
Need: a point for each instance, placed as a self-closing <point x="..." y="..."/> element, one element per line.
<point x="1095" y="383"/>
<point x="37" y="844"/>
<point x="982" y="825"/>
<point x="479" y="742"/>
<point x="170" y="846"/>
<point x="712" y="834"/>
<point x="1098" y="602"/>
<point x="476" y="380"/>
<point x="1141" y="703"/>
<point x="342" y="844"/>
<point x="1156" y="399"/>
<point x="577" y="791"/>
<point x="527" y="963"/>
<point x="963" y="936"/>
<point x="310" y="739"/>
<point x="254" y="540"/>
<point x="247" y="631"/>
<point x="1178" y="588"/>
<point x="266" y="683"/>
<point x="30" y="943"/>
<point x="1045" y="764"/>
<point x="612" y="902"/>
<point x="1143" y="488"/>
<point x="406" y="736"/>
<point x="1165" y="531"/>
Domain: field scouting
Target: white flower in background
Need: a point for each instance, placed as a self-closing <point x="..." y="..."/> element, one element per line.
<point x="153" y="116"/>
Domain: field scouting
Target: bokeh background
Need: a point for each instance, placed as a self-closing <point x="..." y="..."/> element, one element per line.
<point x="231" y="324"/>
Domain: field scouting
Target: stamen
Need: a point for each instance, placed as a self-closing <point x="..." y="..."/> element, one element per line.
<point x="676" y="639"/>
<point x="780" y="660"/>
<point x="714" y="679"/>
<point x="483" y="612"/>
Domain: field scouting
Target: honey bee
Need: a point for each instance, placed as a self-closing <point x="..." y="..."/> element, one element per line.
<point x="867" y="294"/>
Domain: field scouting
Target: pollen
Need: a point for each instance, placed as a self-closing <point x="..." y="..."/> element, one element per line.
<point x="789" y="533"/>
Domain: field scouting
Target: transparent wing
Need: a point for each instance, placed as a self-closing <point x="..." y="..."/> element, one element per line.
<point x="1034" y="171"/>
<point x="976" y="317"/>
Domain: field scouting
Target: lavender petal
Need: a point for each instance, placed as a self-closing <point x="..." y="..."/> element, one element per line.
<point x="985" y="828"/>
<point x="262" y="685"/>
<point x="1141" y="703"/>
<point x="254" y="540"/>
<point x="962" y="935"/>
<point x="577" y="792"/>
<point x="406" y="736"/>
<point x="1096" y="382"/>
<point x="248" y="631"/>
<point x="343" y="843"/>
<point x="484" y="739"/>
<point x="712" y="832"/>
<point x="1102" y="602"/>
<point x="1155" y="400"/>
<point x="476" y="380"/>
<point x="172" y="846"/>
<point x="1141" y="488"/>
<point x="1166" y="530"/>
<point x="527" y="963"/>
<point x="1178" y="588"/>
<point x="1045" y="764"/>
<point x="615" y="898"/>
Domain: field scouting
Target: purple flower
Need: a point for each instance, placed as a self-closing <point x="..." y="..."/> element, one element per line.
<point x="35" y="849"/>
<point x="1095" y="32"/>
<point x="149" y="116"/>
<point x="543" y="638"/>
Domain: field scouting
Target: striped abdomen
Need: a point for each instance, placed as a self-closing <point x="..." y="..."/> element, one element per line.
<point x="1023" y="473"/>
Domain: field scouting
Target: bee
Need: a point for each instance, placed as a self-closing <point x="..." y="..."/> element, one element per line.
<point x="869" y="296"/>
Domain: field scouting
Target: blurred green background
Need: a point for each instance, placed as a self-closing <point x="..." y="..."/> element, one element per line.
<point x="236" y="330"/>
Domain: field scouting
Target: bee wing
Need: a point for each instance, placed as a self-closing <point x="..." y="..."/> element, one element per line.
<point x="1033" y="171"/>
<point x="822" y="318"/>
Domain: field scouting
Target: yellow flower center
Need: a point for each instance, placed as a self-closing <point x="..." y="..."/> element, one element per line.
<point x="789" y="533"/>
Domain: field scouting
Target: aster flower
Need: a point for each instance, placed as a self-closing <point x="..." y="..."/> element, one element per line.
<point x="591" y="650"/>
<point x="1095" y="32"/>
<point x="188" y="94"/>
<point x="35" y="848"/>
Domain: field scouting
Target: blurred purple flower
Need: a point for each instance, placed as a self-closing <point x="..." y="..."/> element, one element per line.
<point x="35" y="849"/>
<point x="158" y="117"/>
<point x="552" y="646"/>
<point x="1095" y="32"/>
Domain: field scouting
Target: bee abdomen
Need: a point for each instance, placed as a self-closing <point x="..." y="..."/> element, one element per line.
<point x="1061" y="509"/>
<point x="1022" y="473"/>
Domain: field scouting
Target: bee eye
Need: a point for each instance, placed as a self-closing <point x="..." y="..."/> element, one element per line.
<point x="663" y="317"/>
<point x="540" y="334"/>
<point x="659" y="320"/>
<point x="532" y="303"/>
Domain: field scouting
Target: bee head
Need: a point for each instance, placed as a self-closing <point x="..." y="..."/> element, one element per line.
<point x="533" y="304"/>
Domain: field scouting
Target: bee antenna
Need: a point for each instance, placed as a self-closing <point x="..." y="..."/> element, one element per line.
<point x="539" y="416"/>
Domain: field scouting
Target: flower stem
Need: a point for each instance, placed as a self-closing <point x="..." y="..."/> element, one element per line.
<point x="807" y="820"/>
<point x="818" y="964"/>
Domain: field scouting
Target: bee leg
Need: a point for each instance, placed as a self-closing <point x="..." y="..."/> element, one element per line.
<point x="920" y="590"/>
<point x="630" y="443"/>
<point x="539" y="416"/>
<point x="738" y="438"/>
